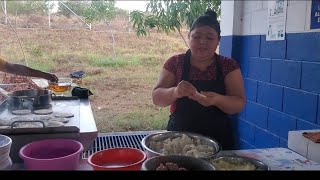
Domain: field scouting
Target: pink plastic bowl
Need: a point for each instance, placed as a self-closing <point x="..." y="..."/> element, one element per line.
<point x="52" y="154"/>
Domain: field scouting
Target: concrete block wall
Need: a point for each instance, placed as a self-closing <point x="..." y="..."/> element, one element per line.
<point x="282" y="78"/>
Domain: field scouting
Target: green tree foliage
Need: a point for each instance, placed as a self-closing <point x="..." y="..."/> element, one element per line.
<point x="170" y="15"/>
<point x="90" y="10"/>
<point x="27" y="7"/>
<point x="76" y="6"/>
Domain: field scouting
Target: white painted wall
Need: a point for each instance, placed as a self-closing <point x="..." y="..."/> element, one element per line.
<point x="226" y="24"/>
<point x="250" y="17"/>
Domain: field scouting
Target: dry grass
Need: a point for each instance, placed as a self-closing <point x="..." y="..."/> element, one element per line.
<point x="121" y="86"/>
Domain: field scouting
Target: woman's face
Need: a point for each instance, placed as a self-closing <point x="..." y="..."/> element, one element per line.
<point x="203" y="42"/>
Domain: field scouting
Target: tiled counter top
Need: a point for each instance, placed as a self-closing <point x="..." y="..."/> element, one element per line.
<point x="278" y="158"/>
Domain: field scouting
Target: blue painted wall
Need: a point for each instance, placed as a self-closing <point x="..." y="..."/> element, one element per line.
<point x="282" y="85"/>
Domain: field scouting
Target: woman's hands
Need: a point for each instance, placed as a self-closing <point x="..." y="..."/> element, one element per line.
<point x="186" y="89"/>
<point x="206" y="98"/>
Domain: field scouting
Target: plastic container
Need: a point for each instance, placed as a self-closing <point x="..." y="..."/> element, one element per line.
<point x="52" y="154"/>
<point x="5" y="146"/>
<point x="117" y="159"/>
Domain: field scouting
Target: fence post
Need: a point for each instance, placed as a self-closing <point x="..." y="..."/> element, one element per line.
<point x="5" y="12"/>
<point x="129" y="28"/>
<point x="49" y="16"/>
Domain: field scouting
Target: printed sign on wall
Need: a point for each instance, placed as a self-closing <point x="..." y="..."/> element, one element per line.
<point x="315" y="14"/>
<point x="277" y="16"/>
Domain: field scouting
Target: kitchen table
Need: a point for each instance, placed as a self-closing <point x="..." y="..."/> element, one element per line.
<point x="280" y="159"/>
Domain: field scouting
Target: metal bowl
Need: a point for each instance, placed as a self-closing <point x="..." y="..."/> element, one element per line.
<point x="236" y="163"/>
<point x="161" y="136"/>
<point x="186" y="162"/>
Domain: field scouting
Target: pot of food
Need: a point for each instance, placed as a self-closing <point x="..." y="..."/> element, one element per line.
<point x="29" y="99"/>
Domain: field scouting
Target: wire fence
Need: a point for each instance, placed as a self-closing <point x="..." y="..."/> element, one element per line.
<point x="120" y="23"/>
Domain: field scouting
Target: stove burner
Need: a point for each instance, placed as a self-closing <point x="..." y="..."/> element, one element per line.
<point x="37" y="107"/>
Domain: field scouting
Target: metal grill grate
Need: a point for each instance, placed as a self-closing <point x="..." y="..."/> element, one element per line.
<point x="114" y="141"/>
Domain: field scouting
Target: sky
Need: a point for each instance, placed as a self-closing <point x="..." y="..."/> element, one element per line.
<point x="132" y="5"/>
<point x="127" y="5"/>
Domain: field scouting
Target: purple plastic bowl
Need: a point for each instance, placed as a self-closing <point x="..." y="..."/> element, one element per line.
<point x="52" y="154"/>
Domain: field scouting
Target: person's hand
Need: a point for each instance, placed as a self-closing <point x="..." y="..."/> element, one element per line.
<point x="198" y="97"/>
<point x="206" y="98"/>
<point x="52" y="78"/>
<point x="184" y="88"/>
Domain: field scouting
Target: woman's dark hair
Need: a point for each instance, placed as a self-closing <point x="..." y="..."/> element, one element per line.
<point x="208" y="19"/>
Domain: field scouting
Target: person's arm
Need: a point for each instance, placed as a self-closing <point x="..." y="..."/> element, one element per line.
<point x="234" y="100"/>
<point x="165" y="91"/>
<point x="22" y="70"/>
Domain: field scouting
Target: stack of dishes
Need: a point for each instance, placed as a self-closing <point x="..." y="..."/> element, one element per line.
<point x="5" y="145"/>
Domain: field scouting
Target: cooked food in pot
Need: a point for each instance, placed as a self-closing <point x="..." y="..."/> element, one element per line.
<point x="236" y="162"/>
<point x="168" y="166"/>
<point x="182" y="146"/>
<point x="233" y="165"/>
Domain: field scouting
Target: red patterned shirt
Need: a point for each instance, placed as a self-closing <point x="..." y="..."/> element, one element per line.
<point x="175" y="65"/>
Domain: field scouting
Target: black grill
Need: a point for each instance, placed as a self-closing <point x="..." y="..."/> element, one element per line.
<point x="115" y="141"/>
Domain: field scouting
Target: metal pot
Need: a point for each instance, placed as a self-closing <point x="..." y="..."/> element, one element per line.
<point x="30" y="99"/>
<point x="149" y="144"/>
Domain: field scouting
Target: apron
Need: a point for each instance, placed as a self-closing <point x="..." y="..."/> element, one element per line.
<point x="190" y="116"/>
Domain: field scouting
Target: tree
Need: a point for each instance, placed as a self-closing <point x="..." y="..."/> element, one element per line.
<point x="100" y="10"/>
<point x="170" y="15"/>
<point x="90" y="10"/>
<point x="76" y="6"/>
<point x="27" y="7"/>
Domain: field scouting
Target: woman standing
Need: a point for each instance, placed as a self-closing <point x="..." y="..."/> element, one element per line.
<point x="202" y="87"/>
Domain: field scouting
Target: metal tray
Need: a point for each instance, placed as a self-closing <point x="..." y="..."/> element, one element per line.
<point x="60" y="104"/>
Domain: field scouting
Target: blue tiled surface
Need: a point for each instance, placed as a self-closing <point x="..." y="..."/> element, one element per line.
<point x="242" y="114"/>
<point x="257" y="114"/>
<point x="226" y="43"/>
<point x="303" y="46"/>
<point x="245" y="145"/>
<point x="270" y="95"/>
<point x="318" y="119"/>
<point x="259" y="69"/>
<point x="251" y="89"/>
<point x="264" y="139"/>
<point x="272" y="49"/>
<point x="283" y="143"/>
<point x="246" y="131"/>
<point x="286" y="73"/>
<point x="304" y="125"/>
<point x="300" y="104"/>
<point x="286" y="97"/>
<point x="249" y="47"/>
<point x="280" y="123"/>
<point x="310" y="80"/>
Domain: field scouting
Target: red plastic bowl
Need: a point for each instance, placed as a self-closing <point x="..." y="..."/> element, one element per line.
<point x="117" y="159"/>
<point x="52" y="154"/>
